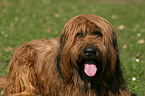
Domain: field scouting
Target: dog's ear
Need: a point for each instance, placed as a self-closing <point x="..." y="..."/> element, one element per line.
<point x="63" y="58"/>
<point x="113" y="50"/>
<point x="114" y="40"/>
<point x="64" y="66"/>
<point x="58" y="64"/>
<point x="62" y="39"/>
<point x="113" y="71"/>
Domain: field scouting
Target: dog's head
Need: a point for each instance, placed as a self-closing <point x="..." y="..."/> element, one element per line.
<point x="88" y="43"/>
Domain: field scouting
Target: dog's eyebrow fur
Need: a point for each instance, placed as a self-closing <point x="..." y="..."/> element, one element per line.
<point x="84" y="23"/>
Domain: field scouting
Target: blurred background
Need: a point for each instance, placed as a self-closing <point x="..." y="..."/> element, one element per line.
<point x="26" y="20"/>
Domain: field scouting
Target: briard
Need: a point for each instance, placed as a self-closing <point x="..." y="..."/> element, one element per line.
<point x="84" y="61"/>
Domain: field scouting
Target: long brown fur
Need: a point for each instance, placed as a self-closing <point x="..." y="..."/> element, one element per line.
<point x="51" y="67"/>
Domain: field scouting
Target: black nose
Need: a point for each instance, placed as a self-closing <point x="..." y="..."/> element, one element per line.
<point x="89" y="51"/>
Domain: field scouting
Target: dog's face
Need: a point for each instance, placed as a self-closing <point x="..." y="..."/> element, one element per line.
<point x="88" y="43"/>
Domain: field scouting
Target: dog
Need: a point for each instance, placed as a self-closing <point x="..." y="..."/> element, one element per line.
<point x="84" y="61"/>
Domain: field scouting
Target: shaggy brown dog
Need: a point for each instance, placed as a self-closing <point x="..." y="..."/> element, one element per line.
<point x="83" y="62"/>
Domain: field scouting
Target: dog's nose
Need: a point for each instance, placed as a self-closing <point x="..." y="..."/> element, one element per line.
<point x="89" y="51"/>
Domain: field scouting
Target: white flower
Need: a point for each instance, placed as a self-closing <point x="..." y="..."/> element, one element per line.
<point x="133" y="79"/>
<point x="137" y="60"/>
<point x="138" y="34"/>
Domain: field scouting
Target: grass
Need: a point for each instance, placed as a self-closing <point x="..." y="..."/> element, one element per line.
<point x="27" y="20"/>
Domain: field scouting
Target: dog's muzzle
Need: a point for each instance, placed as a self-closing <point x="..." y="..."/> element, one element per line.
<point x="89" y="51"/>
<point x="89" y="65"/>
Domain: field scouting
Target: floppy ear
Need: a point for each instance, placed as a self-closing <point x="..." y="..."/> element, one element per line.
<point x="113" y="50"/>
<point x="63" y="59"/>
<point x="113" y="71"/>
<point x="114" y="40"/>
<point x="58" y="64"/>
<point x="63" y="38"/>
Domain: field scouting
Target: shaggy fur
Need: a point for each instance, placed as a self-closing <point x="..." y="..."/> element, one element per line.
<point x="51" y="67"/>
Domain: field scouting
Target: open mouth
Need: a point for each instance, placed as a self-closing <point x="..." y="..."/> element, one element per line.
<point x="90" y="68"/>
<point x="90" y="62"/>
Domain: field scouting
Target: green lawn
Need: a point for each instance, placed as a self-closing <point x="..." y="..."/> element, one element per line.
<point x="27" y="20"/>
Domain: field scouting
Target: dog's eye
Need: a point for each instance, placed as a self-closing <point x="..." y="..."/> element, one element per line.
<point x="80" y="34"/>
<point x="98" y="34"/>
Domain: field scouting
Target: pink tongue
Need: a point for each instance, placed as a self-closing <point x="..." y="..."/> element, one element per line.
<point x="90" y="69"/>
